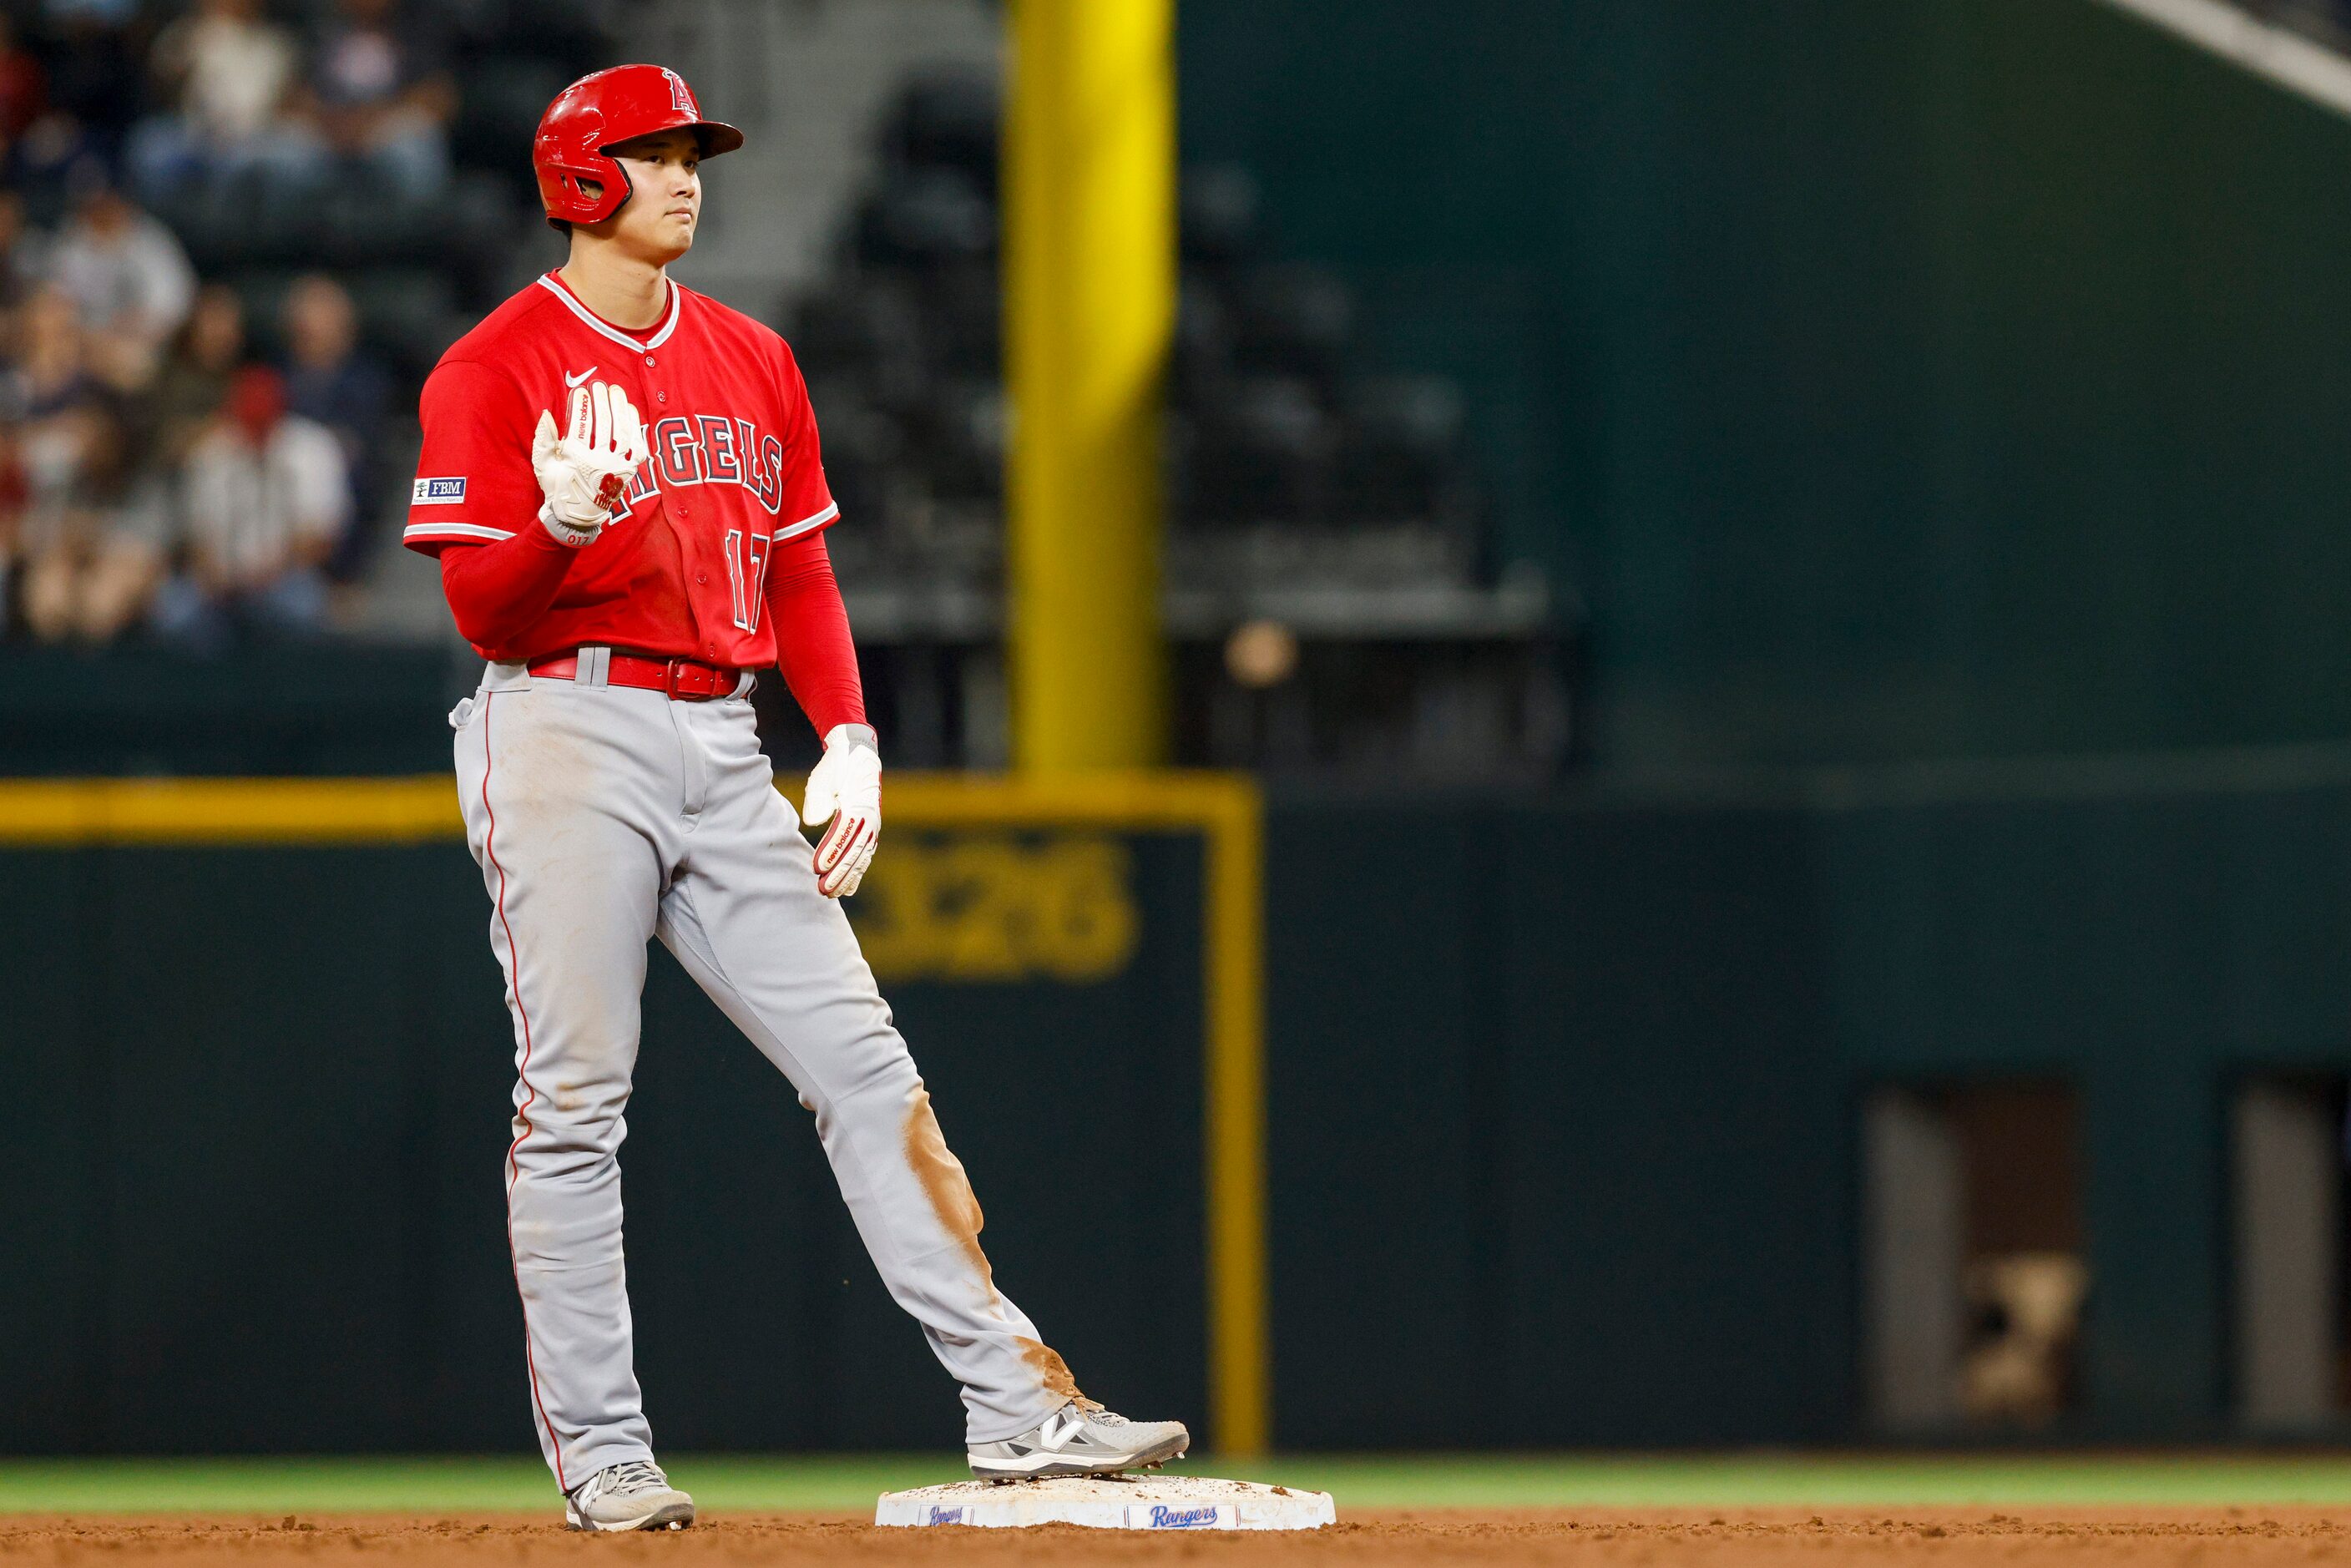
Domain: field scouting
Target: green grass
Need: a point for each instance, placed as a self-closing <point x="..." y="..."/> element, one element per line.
<point x="850" y="1483"/>
<point x="1784" y="1481"/>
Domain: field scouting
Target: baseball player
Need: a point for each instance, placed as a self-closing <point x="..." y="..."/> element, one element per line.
<point x="620" y="479"/>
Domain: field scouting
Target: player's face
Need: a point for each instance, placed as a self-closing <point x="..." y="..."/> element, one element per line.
<point x="664" y="194"/>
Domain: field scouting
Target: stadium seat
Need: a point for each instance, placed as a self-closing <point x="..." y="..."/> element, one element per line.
<point x="924" y="216"/>
<point x="962" y="317"/>
<point x="1219" y="215"/>
<point x="963" y="438"/>
<point x="947" y="120"/>
<point x="1295" y="320"/>
<point x="1262" y="452"/>
<point x="1400" y="450"/>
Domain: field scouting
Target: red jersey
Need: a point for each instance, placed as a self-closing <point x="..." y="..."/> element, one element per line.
<point x="735" y="470"/>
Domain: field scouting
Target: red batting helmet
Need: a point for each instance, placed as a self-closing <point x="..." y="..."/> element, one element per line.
<point x="598" y="110"/>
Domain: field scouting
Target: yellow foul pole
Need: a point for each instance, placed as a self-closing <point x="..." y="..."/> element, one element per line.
<point x="1088" y="168"/>
<point x="1088" y="310"/>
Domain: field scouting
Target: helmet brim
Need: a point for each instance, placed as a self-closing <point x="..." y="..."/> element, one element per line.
<point x="716" y="136"/>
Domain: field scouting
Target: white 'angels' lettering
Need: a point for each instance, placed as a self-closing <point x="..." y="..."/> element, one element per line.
<point x="711" y="449"/>
<point x="679" y="448"/>
<point x="718" y="449"/>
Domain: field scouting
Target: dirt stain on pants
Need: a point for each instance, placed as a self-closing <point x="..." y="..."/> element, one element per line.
<point x="957" y="1207"/>
<point x="1052" y="1372"/>
<point x="942" y="1175"/>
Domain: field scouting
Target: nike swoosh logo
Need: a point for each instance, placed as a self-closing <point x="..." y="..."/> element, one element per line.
<point x="573" y="381"/>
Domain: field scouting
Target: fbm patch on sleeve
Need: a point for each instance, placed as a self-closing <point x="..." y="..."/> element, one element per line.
<point x="438" y="493"/>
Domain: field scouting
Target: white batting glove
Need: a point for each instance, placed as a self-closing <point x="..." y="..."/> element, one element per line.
<point x="845" y="786"/>
<point x="584" y="472"/>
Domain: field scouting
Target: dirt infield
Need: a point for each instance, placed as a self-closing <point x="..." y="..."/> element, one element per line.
<point x="1937" y="1536"/>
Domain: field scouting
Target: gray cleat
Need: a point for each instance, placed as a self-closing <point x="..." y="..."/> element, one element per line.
<point x="1081" y="1438"/>
<point x="633" y="1496"/>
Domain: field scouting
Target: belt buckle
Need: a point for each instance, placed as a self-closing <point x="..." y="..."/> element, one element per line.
<point x="673" y="677"/>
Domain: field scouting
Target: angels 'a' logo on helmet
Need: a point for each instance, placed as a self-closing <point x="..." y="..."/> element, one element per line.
<point x="680" y="98"/>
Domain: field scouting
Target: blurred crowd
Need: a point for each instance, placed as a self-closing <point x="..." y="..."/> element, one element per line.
<point x="156" y="476"/>
<point x="153" y="474"/>
<point x="231" y="239"/>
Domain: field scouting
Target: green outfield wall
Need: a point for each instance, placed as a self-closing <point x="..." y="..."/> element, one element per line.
<point x="1956" y="377"/>
<point x="1563" y="1100"/>
<point x="341" y="708"/>
<point x="252" y="1172"/>
<point x="1592" y="1103"/>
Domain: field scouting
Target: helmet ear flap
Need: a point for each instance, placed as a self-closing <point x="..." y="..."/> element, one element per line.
<point x="576" y="183"/>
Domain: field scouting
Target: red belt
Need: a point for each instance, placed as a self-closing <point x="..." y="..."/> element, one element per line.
<point x="681" y="680"/>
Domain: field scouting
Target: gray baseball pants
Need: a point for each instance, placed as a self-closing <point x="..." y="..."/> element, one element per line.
<point x="604" y="816"/>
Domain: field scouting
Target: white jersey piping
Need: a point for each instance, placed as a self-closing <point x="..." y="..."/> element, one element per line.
<point x="677" y="305"/>
<point x="468" y="530"/>
<point x="832" y="511"/>
<point x="2277" y="54"/>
